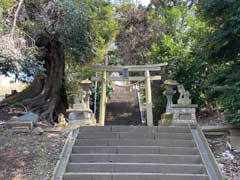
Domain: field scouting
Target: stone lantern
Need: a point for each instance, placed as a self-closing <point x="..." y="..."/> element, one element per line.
<point x="86" y="92"/>
<point x="169" y="93"/>
<point x="81" y="112"/>
<point x="169" y="85"/>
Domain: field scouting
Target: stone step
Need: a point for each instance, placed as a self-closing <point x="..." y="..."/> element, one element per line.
<point x="122" y="98"/>
<point x="134" y="135"/>
<point x="133" y="176"/>
<point x="117" y="101"/>
<point x="135" y="142"/>
<point x="27" y="125"/>
<point x="143" y="129"/>
<point x="136" y="167"/>
<point x="136" y="158"/>
<point x="122" y="95"/>
<point x="135" y="153"/>
<point x="135" y="150"/>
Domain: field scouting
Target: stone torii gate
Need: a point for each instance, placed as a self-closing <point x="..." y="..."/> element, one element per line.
<point x="104" y="69"/>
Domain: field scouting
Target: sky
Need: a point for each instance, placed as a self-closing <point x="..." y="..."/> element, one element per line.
<point x="145" y="2"/>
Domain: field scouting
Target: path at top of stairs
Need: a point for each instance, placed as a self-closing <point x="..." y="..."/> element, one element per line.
<point x="122" y="108"/>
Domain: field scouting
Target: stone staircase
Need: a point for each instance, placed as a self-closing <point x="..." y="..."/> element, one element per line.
<point x="122" y="108"/>
<point x="135" y="153"/>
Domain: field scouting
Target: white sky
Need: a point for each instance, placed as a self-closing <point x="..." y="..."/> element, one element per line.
<point x="145" y="2"/>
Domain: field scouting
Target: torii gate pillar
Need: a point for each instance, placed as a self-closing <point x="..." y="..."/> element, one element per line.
<point x="102" y="110"/>
<point x="148" y="99"/>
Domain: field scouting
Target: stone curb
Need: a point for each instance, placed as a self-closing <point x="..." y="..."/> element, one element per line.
<point x="207" y="155"/>
<point x="64" y="156"/>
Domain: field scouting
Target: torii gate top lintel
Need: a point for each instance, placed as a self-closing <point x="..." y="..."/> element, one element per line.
<point x="131" y="68"/>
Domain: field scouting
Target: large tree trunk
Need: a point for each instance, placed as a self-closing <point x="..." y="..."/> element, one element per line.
<point x="46" y="95"/>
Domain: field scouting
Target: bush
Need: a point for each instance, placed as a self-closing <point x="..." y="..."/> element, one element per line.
<point x="226" y="89"/>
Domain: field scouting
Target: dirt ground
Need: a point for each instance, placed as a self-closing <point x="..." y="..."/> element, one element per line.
<point x="209" y="118"/>
<point x="228" y="159"/>
<point x="26" y="156"/>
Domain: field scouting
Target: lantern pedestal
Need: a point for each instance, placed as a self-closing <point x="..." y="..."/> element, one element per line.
<point x="184" y="114"/>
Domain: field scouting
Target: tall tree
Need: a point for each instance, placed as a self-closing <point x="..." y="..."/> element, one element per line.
<point x="63" y="30"/>
<point x="222" y="48"/>
<point x="136" y="34"/>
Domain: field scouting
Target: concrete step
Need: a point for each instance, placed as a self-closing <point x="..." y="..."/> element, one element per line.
<point x="135" y="150"/>
<point x="122" y="97"/>
<point x="115" y="102"/>
<point x="134" y="135"/>
<point x="135" y="142"/>
<point x="135" y="153"/>
<point x="133" y="176"/>
<point x="136" y="167"/>
<point x="121" y="94"/>
<point x="136" y="158"/>
<point x="143" y="129"/>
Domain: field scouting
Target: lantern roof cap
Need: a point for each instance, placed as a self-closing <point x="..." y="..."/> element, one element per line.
<point x="86" y="81"/>
<point x="170" y="82"/>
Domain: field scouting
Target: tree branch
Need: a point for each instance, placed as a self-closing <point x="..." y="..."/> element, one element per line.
<point x="15" y="18"/>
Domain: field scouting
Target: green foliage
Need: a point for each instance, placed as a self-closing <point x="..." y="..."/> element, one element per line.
<point x="25" y="69"/>
<point x="223" y="17"/>
<point x="170" y="32"/>
<point x="6" y="4"/>
<point x="88" y="30"/>
<point x="226" y="92"/>
<point x="222" y="49"/>
<point x="179" y="45"/>
<point x="84" y="27"/>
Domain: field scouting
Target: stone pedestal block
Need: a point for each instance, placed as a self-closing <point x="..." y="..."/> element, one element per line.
<point x="184" y="114"/>
<point x="81" y="115"/>
<point x="166" y="119"/>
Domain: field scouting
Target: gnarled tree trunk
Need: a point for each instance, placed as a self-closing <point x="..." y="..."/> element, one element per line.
<point x="46" y="95"/>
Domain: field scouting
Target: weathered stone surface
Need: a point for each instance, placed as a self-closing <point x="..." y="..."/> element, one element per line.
<point x="81" y="114"/>
<point x="20" y="129"/>
<point x="3" y="141"/>
<point x="2" y="98"/>
<point x="234" y="138"/>
<point x="19" y="125"/>
<point x="38" y="131"/>
<point x="27" y="117"/>
<point x="184" y="97"/>
<point x="235" y="142"/>
<point x="169" y="93"/>
<point x="184" y="114"/>
<point x="135" y="153"/>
